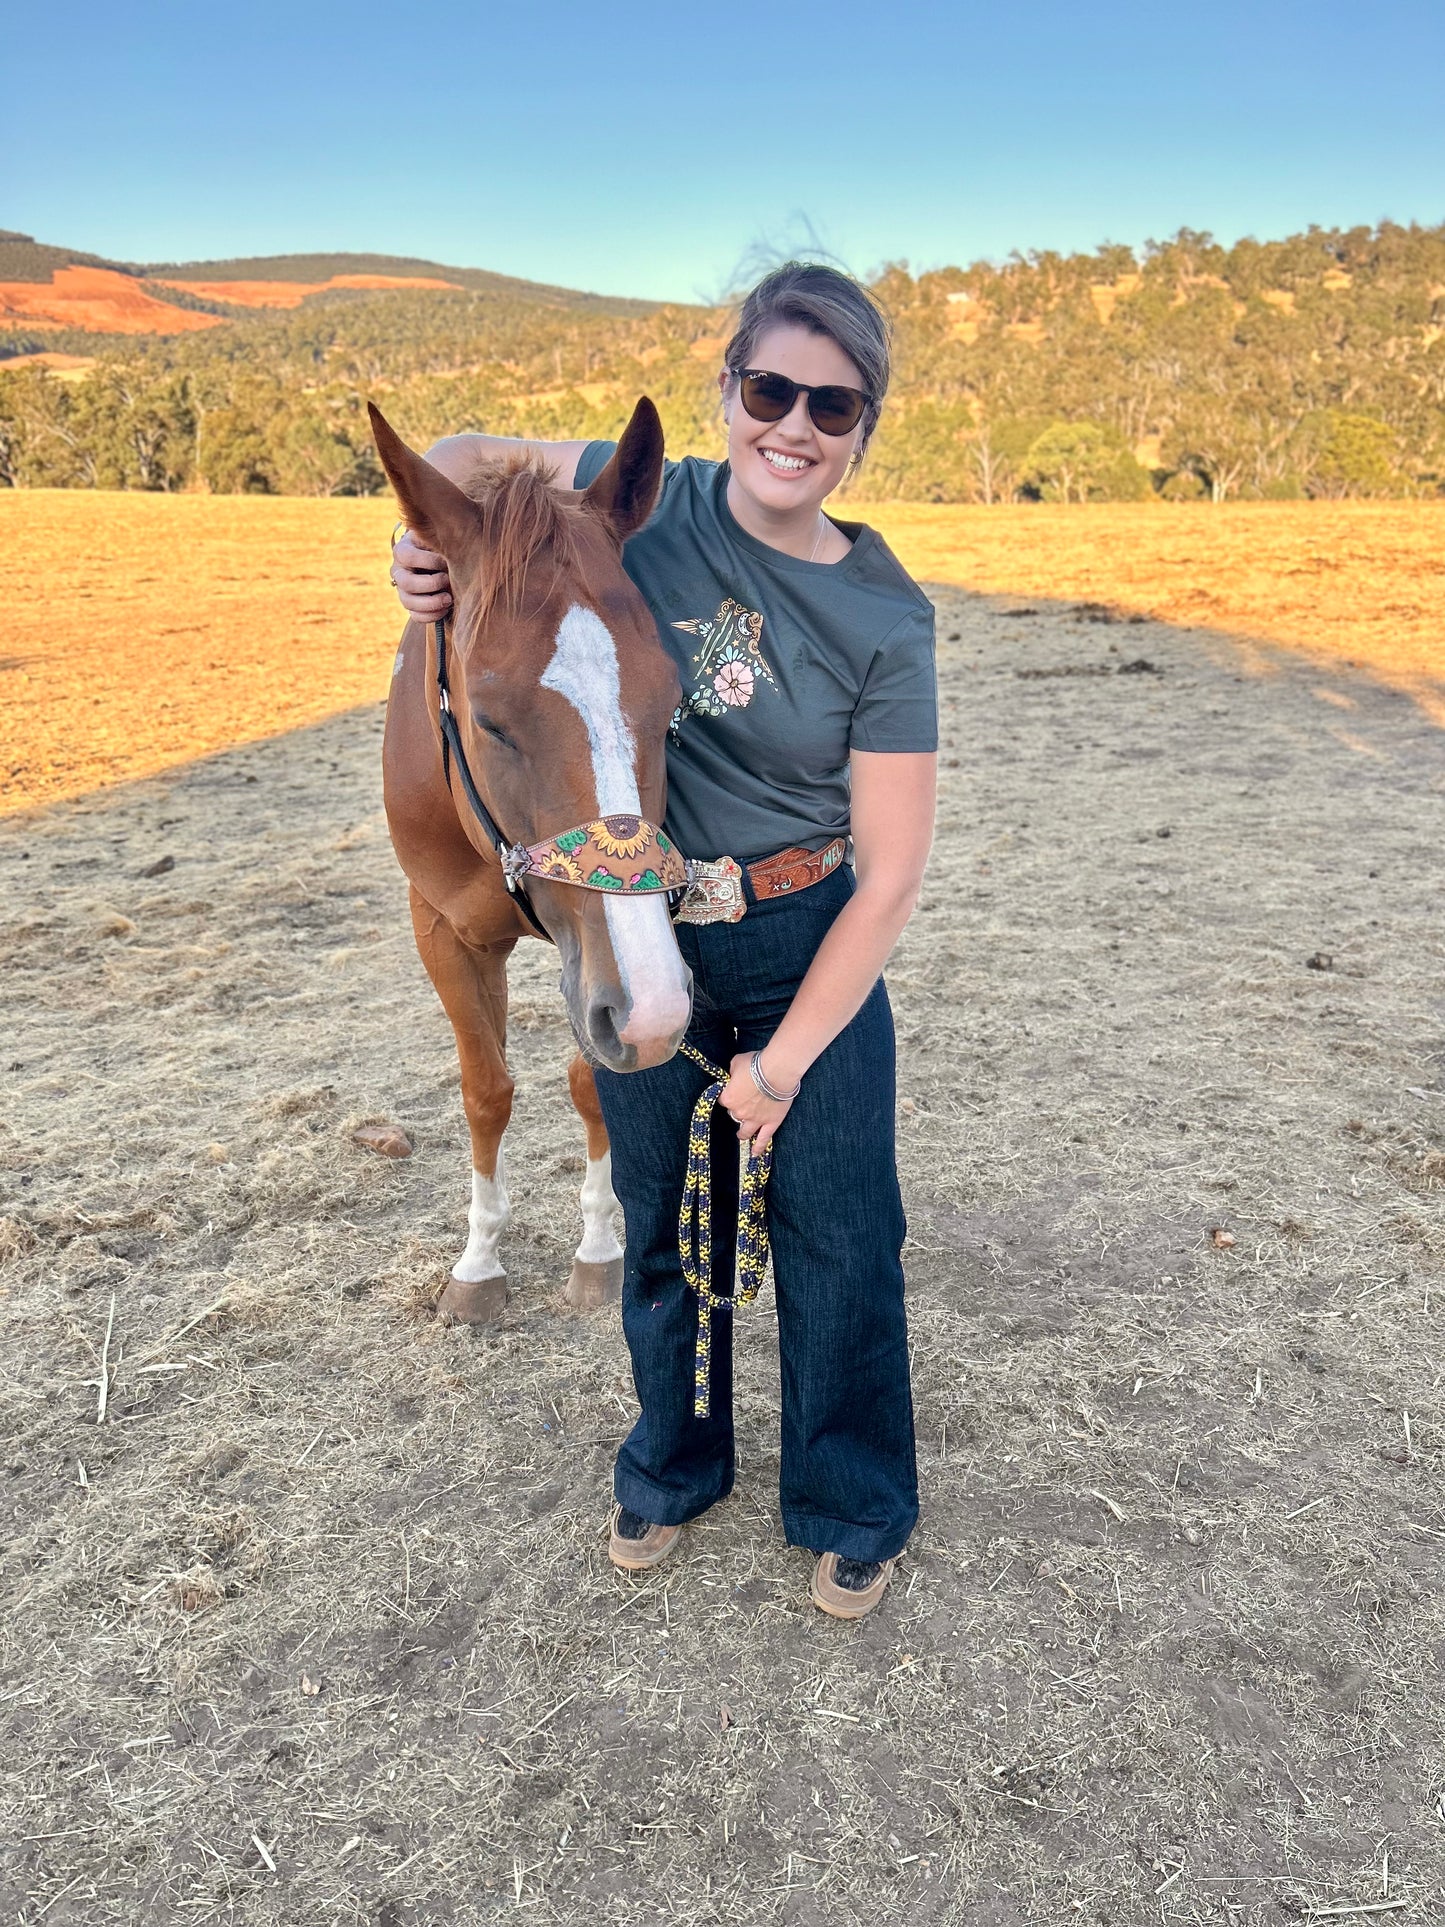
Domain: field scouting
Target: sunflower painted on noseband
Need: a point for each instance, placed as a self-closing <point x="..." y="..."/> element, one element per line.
<point x="620" y="853"/>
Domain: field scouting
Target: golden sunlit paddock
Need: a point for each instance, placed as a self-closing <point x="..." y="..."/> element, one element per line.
<point x="143" y="631"/>
<point x="1357" y="584"/>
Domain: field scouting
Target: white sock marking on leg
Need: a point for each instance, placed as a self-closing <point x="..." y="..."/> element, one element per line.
<point x="486" y="1221"/>
<point x="600" y="1243"/>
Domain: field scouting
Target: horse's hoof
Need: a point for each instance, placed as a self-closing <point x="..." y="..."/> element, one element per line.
<point x="477" y="1303"/>
<point x="593" y="1285"/>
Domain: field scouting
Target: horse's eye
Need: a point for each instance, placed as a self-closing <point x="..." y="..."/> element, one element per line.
<point x="493" y="729"/>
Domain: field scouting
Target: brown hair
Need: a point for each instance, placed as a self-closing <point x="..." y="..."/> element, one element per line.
<point x="826" y="301"/>
<point x="521" y="515"/>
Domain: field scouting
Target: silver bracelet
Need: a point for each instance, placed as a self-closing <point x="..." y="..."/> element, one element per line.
<point x="778" y="1097"/>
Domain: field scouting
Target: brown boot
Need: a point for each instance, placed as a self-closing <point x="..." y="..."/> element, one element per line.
<point x="634" y="1550"/>
<point x="850" y="1601"/>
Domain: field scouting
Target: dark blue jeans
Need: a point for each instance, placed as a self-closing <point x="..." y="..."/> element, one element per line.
<point x="849" y="1483"/>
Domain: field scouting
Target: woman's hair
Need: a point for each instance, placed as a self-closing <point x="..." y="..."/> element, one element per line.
<point x="829" y="302"/>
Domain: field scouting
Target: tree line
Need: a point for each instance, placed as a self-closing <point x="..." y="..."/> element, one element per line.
<point x="1309" y="367"/>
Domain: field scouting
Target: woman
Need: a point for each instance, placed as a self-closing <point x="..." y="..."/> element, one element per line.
<point x="809" y="715"/>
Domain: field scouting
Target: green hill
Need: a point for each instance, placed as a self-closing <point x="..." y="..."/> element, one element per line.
<point x="23" y="258"/>
<point x="1309" y="366"/>
<point x="321" y="267"/>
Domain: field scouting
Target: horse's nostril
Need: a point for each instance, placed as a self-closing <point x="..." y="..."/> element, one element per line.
<point x="602" y="1027"/>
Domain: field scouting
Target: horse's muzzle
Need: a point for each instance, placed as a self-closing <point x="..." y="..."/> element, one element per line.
<point x="623" y="1036"/>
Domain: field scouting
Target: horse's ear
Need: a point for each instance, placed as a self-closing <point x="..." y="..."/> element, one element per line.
<point x="625" y="493"/>
<point x="436" y="511"/>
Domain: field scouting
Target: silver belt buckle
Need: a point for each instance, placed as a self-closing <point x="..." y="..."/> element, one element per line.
<point x="715" y="893"/>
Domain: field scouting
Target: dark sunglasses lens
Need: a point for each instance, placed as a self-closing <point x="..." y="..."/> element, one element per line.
<point x="767" y="398"/>
<point x="835" y="411"/>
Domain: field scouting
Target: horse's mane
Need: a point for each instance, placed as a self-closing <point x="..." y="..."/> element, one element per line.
<point x="522" y="514"/>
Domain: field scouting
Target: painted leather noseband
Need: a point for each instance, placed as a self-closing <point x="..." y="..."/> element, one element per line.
<point x="621" y="855"/>
<point x="618" y="853"/>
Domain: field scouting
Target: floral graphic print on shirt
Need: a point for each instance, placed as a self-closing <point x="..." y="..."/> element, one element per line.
<point x="729" y="668"/>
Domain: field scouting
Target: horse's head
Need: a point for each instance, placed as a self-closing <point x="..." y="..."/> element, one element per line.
<point x="563" y="694"/>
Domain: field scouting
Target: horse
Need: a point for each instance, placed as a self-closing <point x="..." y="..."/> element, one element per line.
<point x="523" y="757"/>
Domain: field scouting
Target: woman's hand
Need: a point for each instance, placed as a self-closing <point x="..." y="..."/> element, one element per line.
<point x="420" y="578"/>
<point x="757" y="1117"/>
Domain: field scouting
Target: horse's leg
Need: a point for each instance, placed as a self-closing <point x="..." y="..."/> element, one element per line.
<point x="471" y="981"/>
<point x="597" y="1267"/>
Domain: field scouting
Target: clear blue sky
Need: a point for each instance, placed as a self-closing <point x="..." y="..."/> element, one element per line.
<point x="641" y="149"/>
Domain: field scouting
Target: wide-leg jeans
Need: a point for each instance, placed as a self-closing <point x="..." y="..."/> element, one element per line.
<point x="848" y="1476"/>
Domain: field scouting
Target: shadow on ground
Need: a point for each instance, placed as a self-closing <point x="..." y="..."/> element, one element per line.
<point x="318" y="1622"/>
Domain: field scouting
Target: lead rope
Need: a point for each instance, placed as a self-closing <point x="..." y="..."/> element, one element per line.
<point x="694" y="1227"/>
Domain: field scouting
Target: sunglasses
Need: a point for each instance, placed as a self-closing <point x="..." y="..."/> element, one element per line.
<point x="833" y="410"/>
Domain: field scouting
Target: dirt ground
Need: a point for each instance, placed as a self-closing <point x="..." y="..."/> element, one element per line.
<point x="316" y="1623"/>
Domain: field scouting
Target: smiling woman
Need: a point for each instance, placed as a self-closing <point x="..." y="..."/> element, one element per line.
<point x="805" y="735"/>
<point x="848" y="339"/>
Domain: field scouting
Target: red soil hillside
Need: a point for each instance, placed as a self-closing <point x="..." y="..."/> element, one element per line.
<point x="98" y="299"/>
<point x="290" y="294"/>
<point x="45" y="287"/>
<point x="106" y="302"/>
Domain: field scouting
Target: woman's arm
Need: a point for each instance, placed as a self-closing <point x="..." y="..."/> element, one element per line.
<point x="460" y="456"/>
<point x="420" y="575"/>
<point x="893" y="803"/>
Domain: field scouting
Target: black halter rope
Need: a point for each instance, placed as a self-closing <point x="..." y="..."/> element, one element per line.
<point x="452" y="751"/>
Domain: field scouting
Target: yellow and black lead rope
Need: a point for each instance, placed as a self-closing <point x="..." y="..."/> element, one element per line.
<point x="694" y="1226"/>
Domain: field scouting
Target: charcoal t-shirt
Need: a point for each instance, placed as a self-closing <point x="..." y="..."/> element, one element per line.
<point x="785" y="666"/>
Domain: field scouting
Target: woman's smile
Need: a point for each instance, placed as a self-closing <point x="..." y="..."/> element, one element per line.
<point x="785" y="464"/>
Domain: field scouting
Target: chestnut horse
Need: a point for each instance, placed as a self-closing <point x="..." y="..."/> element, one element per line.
<point x="559" y="695"/>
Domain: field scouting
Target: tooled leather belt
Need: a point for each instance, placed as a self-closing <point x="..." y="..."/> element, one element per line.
<point x="715" y="892"/>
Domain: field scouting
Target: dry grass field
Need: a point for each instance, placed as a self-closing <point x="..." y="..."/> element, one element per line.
<point x="1356" y="582"/>
<point x="142" y="631"/>
<point x="307" y="1615"/>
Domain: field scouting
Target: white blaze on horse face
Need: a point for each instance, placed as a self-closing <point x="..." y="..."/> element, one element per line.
<point x="654" y="978"/>
<point x="599" y="1244"/>
<point x="584" y="670"/>
<point x="486" y="1221"/>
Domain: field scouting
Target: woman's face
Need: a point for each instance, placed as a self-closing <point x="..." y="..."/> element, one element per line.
<point x="789" y="465"/>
